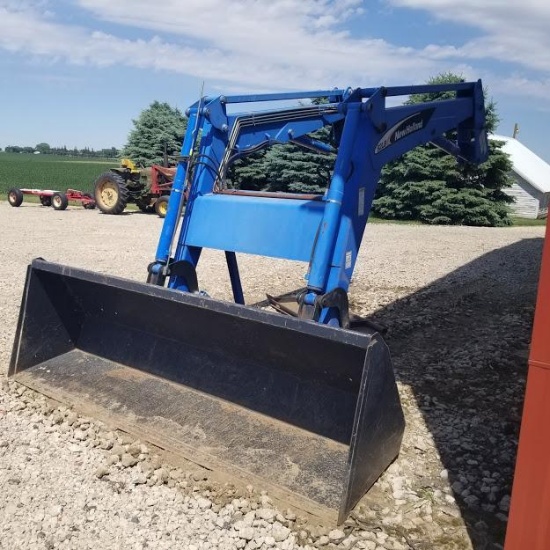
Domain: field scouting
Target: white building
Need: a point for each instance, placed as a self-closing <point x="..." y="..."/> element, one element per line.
<point x="531" y="174"/>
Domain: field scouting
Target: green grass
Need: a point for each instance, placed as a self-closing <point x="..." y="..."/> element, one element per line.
<point x="49" y="172"/>
<point x="375" y="219"/>
<point x="516" y="222"/>
<point x="527" y="222"/>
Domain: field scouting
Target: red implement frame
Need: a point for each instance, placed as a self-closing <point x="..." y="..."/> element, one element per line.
<point x="72" y="195"/>
<point x="529" y="520"/>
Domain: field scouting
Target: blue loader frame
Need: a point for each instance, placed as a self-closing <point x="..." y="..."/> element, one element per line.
<point x="324" y="230"/>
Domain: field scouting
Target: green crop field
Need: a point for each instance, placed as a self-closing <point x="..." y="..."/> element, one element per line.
<point x="49" y="172"/>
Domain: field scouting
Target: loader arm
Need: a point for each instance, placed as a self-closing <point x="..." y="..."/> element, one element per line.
<point x="325" y="231"/>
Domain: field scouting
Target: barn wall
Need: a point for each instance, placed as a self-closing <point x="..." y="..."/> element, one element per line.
<point x="543" y="206"/>
<point x="527" y="199"/>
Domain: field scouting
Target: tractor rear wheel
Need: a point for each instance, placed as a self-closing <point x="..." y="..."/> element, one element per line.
<point x="161" y="206"/>
<point x="111" y="193"/>
<point x="15" y="197"/>
<point x="60" y="201"/>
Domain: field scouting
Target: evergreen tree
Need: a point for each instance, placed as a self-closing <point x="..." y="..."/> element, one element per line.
<point x="293" y="169"/>
<point x="158" y="130"/>
<point x="249" y="172"/>
<point x="427" y="184"/>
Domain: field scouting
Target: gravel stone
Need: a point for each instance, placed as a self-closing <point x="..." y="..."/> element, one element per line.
<point x="280" y="532"/>
<point x="134" y="449"/>
<point x="204" y="503"/>
<point x="127" y="460"/>
<point x="118" y="450"/>
<point x="266" y="513"/>
<point x="55" y="510"/>
<point x="101" y="472"/>
<point x="106" y="444"/>
<point x="79" y="435"/>
<point x="247" y="533"/>
<point x="322" y="541"/>
<point x="112" y="459"/>
<point x="336" y="535"/>
<point x="504" y="503"/>
<point x="139" y="479"/>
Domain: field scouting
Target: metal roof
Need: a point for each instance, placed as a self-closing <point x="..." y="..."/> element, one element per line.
<point x="527" y="164"/>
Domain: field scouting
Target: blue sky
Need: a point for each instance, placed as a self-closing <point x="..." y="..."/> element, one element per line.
<point x="76" y="72"/>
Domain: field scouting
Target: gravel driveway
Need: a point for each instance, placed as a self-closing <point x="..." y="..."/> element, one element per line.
<point x="458" y="302"/>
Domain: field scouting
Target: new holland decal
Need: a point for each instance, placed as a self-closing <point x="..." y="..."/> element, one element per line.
<point x="404" y="128"/>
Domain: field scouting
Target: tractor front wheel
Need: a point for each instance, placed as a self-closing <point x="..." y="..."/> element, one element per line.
<point x="111" y="193"/>
<point x="60" y="201"/>
<point x="15" y="197"/>
<point x="45" y="200"/>
<point x="161" y="206"/>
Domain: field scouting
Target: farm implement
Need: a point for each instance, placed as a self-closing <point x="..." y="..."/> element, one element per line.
<point x="57" y="199"/>
<point x="301" y="405"/>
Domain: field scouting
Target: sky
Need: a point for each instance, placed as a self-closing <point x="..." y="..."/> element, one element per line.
<point x="77" y="72"/>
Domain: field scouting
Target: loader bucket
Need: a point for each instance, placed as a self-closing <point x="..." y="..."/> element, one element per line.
<point x="309" y="412"/>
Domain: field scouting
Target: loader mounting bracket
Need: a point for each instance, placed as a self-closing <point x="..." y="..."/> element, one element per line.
<point x="157" y="273"/>
<point x="337" y="298"/>
<point x="185" y="269"/>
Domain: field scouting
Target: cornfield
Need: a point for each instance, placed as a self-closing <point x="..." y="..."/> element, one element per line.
<point x="49" y="172"/>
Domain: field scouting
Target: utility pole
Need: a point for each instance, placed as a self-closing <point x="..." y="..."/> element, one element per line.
<point x="516" y="130"/>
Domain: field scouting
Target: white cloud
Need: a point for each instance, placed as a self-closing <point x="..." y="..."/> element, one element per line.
<point x="518" y="85"/>
<point x="287" y="44"/>
<point x="510" y="31"/>
<point x="283" y="44"/>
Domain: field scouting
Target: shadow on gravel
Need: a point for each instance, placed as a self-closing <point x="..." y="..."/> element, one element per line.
<point x="461" y="344"/>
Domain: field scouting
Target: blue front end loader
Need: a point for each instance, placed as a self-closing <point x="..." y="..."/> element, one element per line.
<point x="302" y="405"/>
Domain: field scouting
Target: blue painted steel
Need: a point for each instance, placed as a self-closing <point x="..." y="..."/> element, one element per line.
<point x="278" y="127"/>
<point x="233" y="267"/>
<point x="278" y="228"/>
<point x="178" y="187"/>
<point x="330" y="225"/>
<point x="327" y="232"/>
<point x="284" y="96"/>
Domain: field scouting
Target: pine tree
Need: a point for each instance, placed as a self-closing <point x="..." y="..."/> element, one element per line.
<point x="249" y="172"/>
<point x="428" y="185"/>
<point x="157" y="131"/>
<point x="294" y="169"/>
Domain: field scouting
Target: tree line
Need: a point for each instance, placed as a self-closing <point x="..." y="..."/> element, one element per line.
<point x="46" y="149"/>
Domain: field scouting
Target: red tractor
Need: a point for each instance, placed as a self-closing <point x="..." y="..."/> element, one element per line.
<point x="149" y="188"/>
